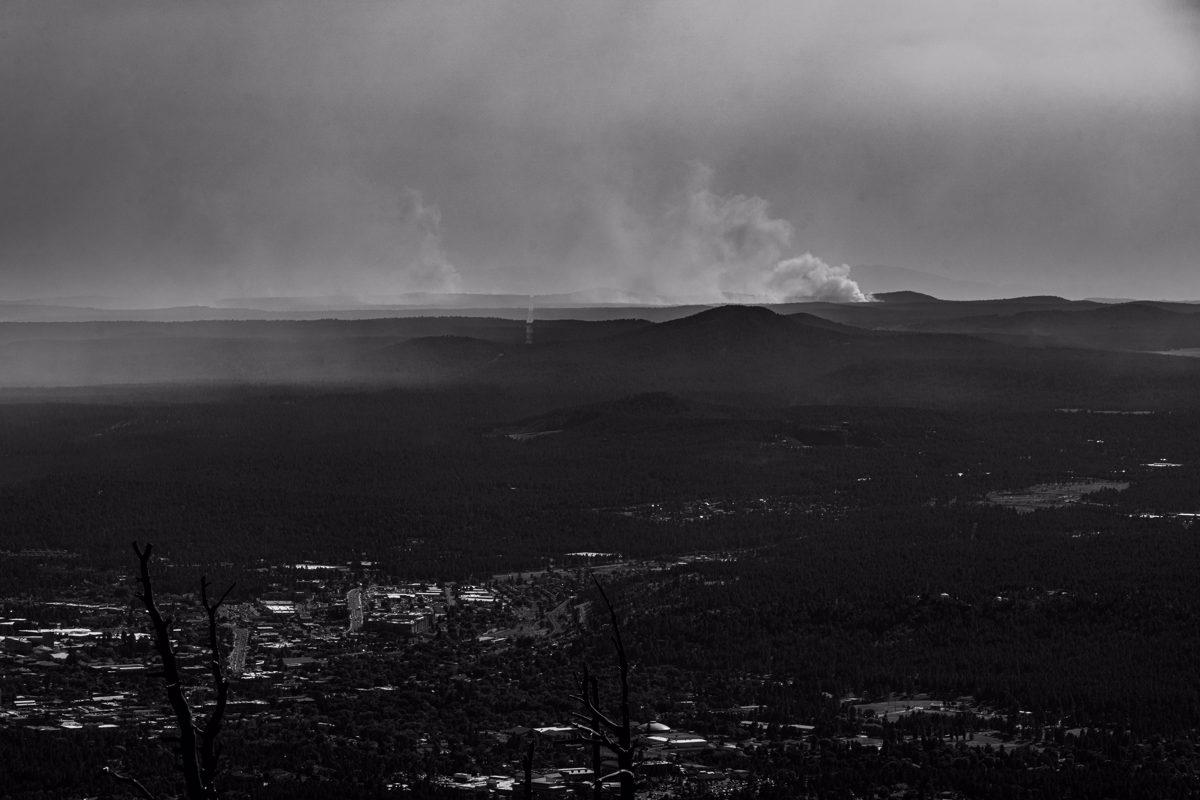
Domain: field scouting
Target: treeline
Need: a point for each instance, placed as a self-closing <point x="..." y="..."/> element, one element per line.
<point x="414" y="481"/>
<point x="1019" y="611"/>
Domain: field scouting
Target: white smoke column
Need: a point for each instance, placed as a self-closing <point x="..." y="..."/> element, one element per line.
<point x="809" y="276"/>
<point x="730" y="248"/>
<point x="425" y="266"/>
<point x="529" y="323"/>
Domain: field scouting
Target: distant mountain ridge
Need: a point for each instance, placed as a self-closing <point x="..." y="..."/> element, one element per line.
<point x="904" y="296"/>
<point x="1030" y="352"/>
<point x="738" y="328"/>
<point x="882" y="278"/>
<point x="1137" y="326"/>
<point x="627" y="414"/>
<point x="906" y="311"/>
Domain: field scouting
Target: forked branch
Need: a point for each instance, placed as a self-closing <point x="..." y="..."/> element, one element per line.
<point x="599" y="729"/>
<point x="137" y="785"/>
<point x="210" y="748"/>
<point x="198" y="755"/>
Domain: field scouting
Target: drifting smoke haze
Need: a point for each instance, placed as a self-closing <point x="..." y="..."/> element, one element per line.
<point x="177" y="153"/>
<point x="426" y="269"/>
<point x="730" y="248"/>
<point x="703" y="247"/>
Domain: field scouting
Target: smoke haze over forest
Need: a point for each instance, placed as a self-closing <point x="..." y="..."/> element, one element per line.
<point x="181" y="153"/>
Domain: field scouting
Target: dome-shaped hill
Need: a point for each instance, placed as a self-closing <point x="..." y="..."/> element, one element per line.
<point x="730" y="318"/>
<point x="1136" y="312"/>
<point x="731" y="329"/>
<point x="649" y="404"/>
<point x="1125" y="326"/>
<point x="444" y="350"/>
<point x="627" y="414"/>
<point x="1084" y="321"/>
<point x="905" y="296"/>
<point x="1032" y="300"/>
<point x="812" y="321"/>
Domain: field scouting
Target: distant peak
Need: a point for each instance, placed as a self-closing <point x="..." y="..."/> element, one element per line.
<point x="749" y="327"/>
<point x="732" y="312"/>
<point x="1046" y="299"/>
<point x="656" y="403"/>
<point x="733" y="320"/>
<point x="905" y="297"/>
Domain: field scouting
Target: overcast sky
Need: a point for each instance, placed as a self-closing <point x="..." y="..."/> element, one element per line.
<point x="185" y="151"/>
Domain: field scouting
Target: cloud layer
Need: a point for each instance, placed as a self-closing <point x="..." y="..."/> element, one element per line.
<point x="188" y="151"/>
<point x="708" y="248"/>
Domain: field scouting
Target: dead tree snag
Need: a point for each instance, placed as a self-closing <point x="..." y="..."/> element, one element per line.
<point x="599" y="729"/>
<point x="199" y="745"/>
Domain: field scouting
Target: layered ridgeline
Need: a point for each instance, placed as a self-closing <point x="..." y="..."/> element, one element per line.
<point x="908" y="349"/>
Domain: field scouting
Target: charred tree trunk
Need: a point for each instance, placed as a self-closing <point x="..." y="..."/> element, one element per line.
<point x="599" y="729"/>
<point x="199" y="745"/>
<point x="527" y="765"/>
<point x="597" y="784"/>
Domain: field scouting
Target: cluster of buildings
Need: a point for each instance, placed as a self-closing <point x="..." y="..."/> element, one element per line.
<point x="703" y="509"/>
<point x="279" y="639"/>
<point x="667" y="758"/>
<point x="280" y="642"/>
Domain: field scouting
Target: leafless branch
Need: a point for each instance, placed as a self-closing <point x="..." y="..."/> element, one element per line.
<point x="594" y="715"/>
<point x="597" y="728"/>
<point x="209" y="748"/>
<point x="597" y="787"/>
<point x="622" y="661"/>
<point x="199" y="755"/>
<point x="601" y="779"/>
<point x="527" y="766"/>
<point x="138" y="786"/>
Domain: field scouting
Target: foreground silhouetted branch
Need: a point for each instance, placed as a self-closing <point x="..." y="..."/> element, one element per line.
<point x="527" y="767"/>
<point x="199" y="748"/>
<point x="597" y="728"/>
<point x="129" y="779"/>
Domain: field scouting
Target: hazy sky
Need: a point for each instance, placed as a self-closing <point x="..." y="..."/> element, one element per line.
<point x="183" y="151"/>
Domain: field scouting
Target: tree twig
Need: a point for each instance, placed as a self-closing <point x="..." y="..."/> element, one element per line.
<point x="597" y="728"/>
<point x="210" y="749"/>
<point x="198" y="755"/>
<point x="132" y="781"/>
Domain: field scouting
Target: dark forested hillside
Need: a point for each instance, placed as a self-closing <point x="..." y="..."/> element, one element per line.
<point x="798" y="522"/>
<point x="741" y="355"/>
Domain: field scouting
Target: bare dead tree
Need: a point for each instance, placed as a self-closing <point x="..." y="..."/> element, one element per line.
<point x="199" y="747"/>
<point x="138" y="786"/>
<point x="597" y="785"/>
<point x="527" y="766"/>
<point x="596" y="727"/>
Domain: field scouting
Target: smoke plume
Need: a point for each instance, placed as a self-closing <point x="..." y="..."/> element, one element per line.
<point x="809" y="276"/>
<point x="180" y="152"/>
<point x="424" y="265"/>
<point x="722" y="248"/>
